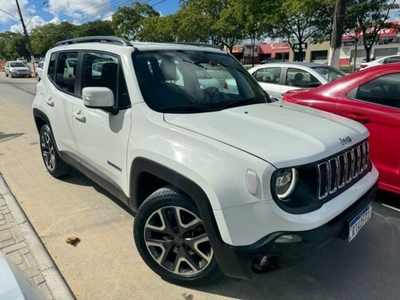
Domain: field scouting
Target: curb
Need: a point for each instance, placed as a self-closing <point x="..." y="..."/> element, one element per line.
<point x="54" y="279"/>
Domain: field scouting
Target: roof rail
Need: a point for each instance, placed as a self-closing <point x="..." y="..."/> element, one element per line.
<point x="198" y="44"/>
<point x="93" y="39"/>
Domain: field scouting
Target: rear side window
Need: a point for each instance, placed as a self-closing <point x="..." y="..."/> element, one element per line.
<point x="269" y="75"/>
<point x="65" y="70"/>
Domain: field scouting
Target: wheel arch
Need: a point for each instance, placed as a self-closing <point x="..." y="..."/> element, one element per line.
<point x="40" y="119"/>
<point x="146" y="176"/>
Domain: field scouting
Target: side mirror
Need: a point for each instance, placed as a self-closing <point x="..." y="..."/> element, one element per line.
<point x="98" y="97"/>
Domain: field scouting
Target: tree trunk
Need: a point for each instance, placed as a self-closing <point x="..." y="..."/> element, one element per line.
<point x="336" y="40"/>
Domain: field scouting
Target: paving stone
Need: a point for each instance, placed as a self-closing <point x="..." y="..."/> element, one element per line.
<point x="30" y="260"/>
<point x="2" y="201"/>
<point x="2" y="222"/>
<point x="6" y="226"/>
<point x="39" y="279"/>
<point x="22" y="267"/>
<point x="45" y="290"/>
<point x="25" y="250"/>
<point x="16" y="257"/>
<point x="5" y="235"/>
<point x="2" y="216"/>
<point x="5" y="244"/>
<point x="13" y="248"/>
<point x="18" y="236"/>
<point x="32" y="272"/>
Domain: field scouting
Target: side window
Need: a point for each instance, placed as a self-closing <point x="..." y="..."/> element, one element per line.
<point x="268" y="75"/>
<point x="392" y="59"/>
<point x="100" y="69"/>
<point x="65" y="71"/>
<point x="300" y="78"/>
<point x="52" y="67"/>
<point x="383" y="90"/>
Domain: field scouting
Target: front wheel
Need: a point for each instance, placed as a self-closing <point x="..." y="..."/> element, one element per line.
<point x="52" y="160"/>
<point x="172" y="240"/>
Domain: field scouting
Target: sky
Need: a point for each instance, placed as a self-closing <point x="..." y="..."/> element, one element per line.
<point x="40" y="12"/>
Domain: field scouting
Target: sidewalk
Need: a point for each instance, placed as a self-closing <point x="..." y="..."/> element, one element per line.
<point x="20" y="243"/>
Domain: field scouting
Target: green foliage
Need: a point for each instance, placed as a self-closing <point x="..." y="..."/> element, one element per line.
<point x="13" y="45"/>
<point x="127" y="21"/>
<point x="365" y="18"/>
<point x="98" y="27"/>
<point x="157" y="29"/>
<point x="45" y="37"/>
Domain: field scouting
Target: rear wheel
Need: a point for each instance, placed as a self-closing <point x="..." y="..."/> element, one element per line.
<point x="172" y="240"/>
<point x="52" y="160"/>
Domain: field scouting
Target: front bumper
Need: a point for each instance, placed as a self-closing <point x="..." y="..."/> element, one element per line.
<point x="238" y="261"/>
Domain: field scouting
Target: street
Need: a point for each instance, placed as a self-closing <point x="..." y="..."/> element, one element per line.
<point x="106" y="265"/>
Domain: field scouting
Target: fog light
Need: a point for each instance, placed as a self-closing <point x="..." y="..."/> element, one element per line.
<point x="288" y="238"/>
<point x="260" y="263"/>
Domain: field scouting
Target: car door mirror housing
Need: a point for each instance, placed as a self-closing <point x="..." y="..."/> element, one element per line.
<point x="98" y="97"/>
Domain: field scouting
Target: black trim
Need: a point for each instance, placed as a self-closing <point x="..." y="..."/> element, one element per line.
<point x="283" y="255"/>
<point x="226" y="258"/>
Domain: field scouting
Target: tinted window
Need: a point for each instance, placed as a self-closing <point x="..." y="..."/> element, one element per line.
<point x="52" y="67"/>
<point x="392" y="60"/>
<point x="105" y="70"/>
<point x="194" y="81"/>
<point x="300" y="78"/>
<point x="329" y="73"/>
<point x="65" y="74"/>
<point x="384" y="90"/>
<point x="269" y="75"/>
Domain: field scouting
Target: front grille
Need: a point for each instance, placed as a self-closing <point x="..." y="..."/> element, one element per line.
<point x="339" y="172"/>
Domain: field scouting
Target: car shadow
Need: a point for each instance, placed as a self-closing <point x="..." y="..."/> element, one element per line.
<point x="78" y="178"/>
<point x="9" y="136"/>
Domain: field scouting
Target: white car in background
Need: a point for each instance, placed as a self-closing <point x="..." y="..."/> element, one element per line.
<point x="381" y="61"/>
<point x="39" y="70"/>
<point x="17" y="69"/>
<point x="279" y="77"/>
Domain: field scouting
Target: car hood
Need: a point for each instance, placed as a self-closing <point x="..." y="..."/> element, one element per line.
<point x="281" y="133"/>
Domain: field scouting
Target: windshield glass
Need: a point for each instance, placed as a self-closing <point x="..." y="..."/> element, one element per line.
<point x="194" y="81"/>
<point x="329" y="73"/>
<point x="17" y="64"/>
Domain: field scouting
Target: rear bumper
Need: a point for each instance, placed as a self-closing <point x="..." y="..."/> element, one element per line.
<point x="238" y="261"/>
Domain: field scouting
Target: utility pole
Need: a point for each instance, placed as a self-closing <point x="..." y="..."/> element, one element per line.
<point x="26" y="36"/>
<point x="337" y="32"/>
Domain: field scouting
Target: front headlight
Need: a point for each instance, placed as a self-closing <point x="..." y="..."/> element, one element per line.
<point x="286" y="183"/>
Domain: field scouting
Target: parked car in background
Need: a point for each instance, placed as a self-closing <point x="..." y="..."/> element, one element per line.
<point x="39" y="70"/>
<point x="272" y="59"/>
<point x="21" y="59"/>
<point x="371" y="97"/>
<point x="278" y="78"/>
<point x="17" y="69"/>
<point x="382" y="61"/>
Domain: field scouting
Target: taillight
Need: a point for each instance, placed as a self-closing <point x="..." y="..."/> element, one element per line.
<point x="225" y="85"/>
<point x="363" y="66"/>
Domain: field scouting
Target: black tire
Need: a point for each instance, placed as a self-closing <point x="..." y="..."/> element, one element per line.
<point x="179" y="251"/>
<point x="52" y="160"/>
<point x="6" y="75"/>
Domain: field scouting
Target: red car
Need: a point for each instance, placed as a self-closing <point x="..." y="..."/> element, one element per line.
<point x="371" y="97"/>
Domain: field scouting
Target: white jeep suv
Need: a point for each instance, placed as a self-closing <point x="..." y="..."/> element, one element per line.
<point x="221" y="180"/>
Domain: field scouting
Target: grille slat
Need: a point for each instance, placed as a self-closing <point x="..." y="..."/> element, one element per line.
<point x="340" y="171"/>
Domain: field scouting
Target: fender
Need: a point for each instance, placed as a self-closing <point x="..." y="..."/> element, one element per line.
<point x="224" y="253"/>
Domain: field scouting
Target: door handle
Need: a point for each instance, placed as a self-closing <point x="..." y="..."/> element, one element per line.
<point x="79" y="117"/>
<point x="359" y="118"/>
<point x="49" y="102"/>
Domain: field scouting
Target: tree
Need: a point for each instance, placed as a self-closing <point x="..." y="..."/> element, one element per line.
<point x="127" y="21"/>
<point x="46" y="36"/>
<point x="300" y="21"/>
<point x="13" y="45"/>
<point x="366" y="18"/>
<point x="98" y="27"/>
<point x="337" y="33"/>
<point x="158" y="29"/>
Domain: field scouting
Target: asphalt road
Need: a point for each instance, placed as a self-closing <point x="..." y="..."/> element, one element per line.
<point x="106" y="264"/>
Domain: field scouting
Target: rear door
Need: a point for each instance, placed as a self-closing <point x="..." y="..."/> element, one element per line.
<point x="375" y="102"/>
<point x="269" y="79"/>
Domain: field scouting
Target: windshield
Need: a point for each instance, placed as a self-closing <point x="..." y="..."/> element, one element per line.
<point x="194" y="81"/>
<point x="17" y="65"/>
<point x="329" y="73"/>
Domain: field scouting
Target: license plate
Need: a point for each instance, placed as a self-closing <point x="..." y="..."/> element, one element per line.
<point x="359" y="221"/>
